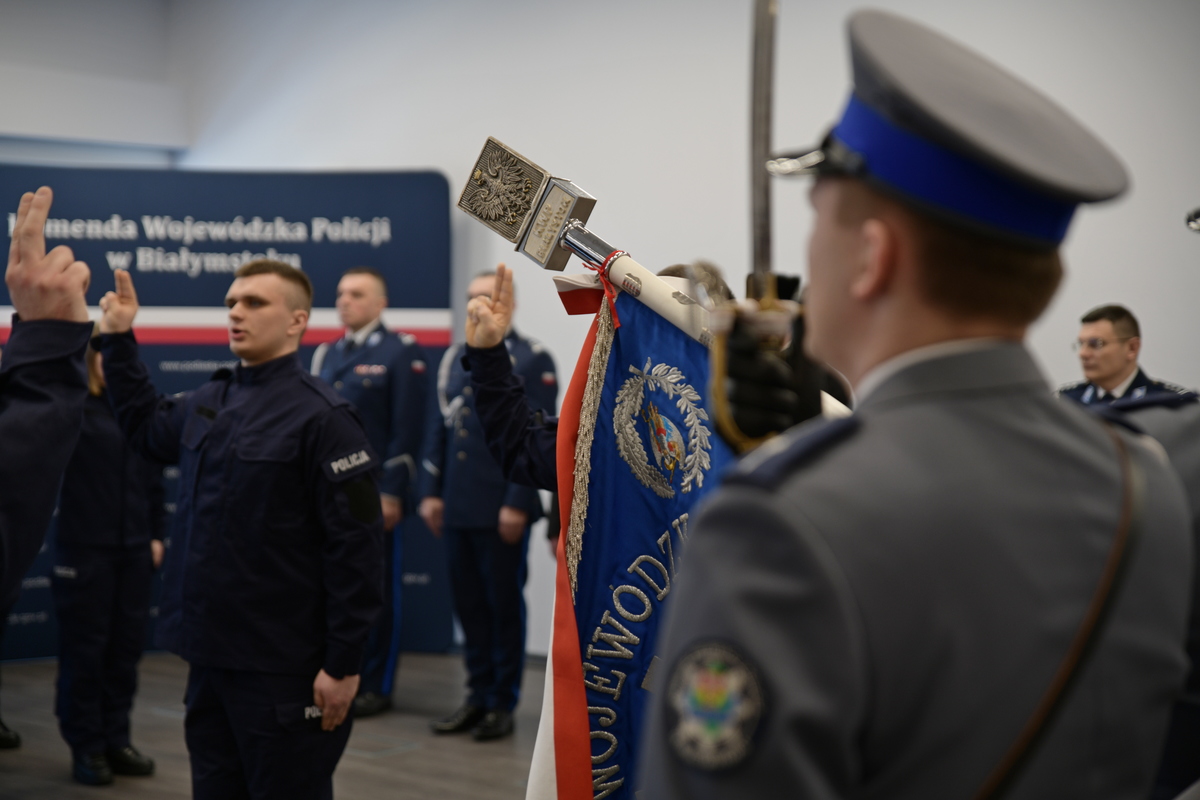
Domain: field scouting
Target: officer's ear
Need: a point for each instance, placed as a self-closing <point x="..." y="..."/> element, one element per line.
<point x="1135" y="347"/>
<point x="878" y="243"/>
<point x="299" y="322"/>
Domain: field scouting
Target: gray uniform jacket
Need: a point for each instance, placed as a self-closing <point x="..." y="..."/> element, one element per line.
<point x="1178" y="429"/>
<point x="874" y="609"/>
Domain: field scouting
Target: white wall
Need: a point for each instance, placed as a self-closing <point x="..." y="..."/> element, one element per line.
<point x="82" y="71"/>
<point x="644" y="104"/>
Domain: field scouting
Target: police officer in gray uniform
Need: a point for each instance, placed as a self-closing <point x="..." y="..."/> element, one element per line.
<point x="1174" y="420"/>
<point x="886" y="605"/>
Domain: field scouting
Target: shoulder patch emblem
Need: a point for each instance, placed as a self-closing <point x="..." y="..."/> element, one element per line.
<point x="352" y="463"/>
<point x="671" y="455"/>
<point x="714" y="706"/>
<point x="418" y="366"/>
<point x="548" y="379"/>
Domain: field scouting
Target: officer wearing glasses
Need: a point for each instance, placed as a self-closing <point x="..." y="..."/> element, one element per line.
<point x="1108" y="346"/>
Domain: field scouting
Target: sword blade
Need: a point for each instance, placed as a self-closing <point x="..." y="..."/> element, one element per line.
<point x="760" y="140"/>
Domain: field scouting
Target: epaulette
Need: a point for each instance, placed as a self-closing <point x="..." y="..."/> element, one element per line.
<point x="1174" y="398"/>
<point x="1167" y="386"/>
<point x="767" y="466"/>
<point x="323" y="390"/>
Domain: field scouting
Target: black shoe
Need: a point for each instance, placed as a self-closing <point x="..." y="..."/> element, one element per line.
<point x="496" y="725"/>
<point x="461" y="721"/>
<point x="368" y="704"/>
<point x="91" y="770"/>
<point x="128" y="761"/>
<point x="9" y="739"/>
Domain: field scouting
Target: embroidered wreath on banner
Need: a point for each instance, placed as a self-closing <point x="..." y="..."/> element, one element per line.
<point x="631" y="404"/>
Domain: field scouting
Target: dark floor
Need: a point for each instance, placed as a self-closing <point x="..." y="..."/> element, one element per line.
<point x="391" y="756"/>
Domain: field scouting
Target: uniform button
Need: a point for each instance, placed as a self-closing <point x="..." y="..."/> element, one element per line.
<point x="462" y="455"/>
<point x="367" y="382"/>
<point x="463" y="433"/>
<point x="467" y="391"/>
<point x="337" y="385"/>
<point x="466" y="412"/>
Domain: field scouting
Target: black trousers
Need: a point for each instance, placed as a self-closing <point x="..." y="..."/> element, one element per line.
<point x="254" y="736"/>
<point x="381" y="658"/>
<point x="487" y="577"/>
<point x="102" y="601"/>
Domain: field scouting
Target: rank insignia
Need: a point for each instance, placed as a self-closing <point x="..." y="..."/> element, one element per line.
<point x="714" y="706"/>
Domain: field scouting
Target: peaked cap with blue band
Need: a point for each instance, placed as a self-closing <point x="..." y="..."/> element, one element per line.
<point x="949" y="132"/>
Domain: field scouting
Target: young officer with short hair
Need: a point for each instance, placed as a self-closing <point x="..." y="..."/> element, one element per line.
<point x="274" y="575"/>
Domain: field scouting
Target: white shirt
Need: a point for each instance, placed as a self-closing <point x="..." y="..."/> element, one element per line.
<point x="1120" y="389"/>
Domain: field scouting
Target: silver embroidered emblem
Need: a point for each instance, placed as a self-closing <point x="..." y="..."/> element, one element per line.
<point x="715" y="704"/>
<point x="672" y="456"/>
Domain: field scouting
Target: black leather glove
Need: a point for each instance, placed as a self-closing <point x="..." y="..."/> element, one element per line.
<point x="769" y="391"/>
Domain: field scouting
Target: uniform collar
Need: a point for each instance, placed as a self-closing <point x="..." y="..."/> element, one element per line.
<point x="360" y="337"/>
<point x="881" y="372"/>
<point x="268" y="370"/>
<point x="1120" y="389"/>
<point x="991" y="364"/>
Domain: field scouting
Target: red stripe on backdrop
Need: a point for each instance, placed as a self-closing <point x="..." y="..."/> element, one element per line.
<point x="430" y="337"/>
<point x="572" y="732"/>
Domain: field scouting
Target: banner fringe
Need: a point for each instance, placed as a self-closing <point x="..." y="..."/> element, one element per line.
<point x="597" y="367"/>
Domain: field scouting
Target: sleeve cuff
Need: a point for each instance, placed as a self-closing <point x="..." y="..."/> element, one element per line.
<point x="44" y="340"/>
<point x="487" y="363"/>
<point x="342" y="659"/>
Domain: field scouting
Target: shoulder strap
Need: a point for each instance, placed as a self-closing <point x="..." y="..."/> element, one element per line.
<point x="1082" y="645"/>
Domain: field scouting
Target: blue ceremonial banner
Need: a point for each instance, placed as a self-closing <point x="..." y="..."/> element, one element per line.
<point x="655" y="454"/>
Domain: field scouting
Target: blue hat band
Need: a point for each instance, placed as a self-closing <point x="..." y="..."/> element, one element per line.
<point x="927" y="172"/>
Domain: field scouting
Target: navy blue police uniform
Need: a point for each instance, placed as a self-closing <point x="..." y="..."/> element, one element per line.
<point x="385" y="379"/>
<point x="523" y="440"/>
<point x="110" y="507"/>
<point x="274" y="572"/>
<point x="487" y="576"/>
<point x="1142" y="385"/>
<point x="43" y="384"/>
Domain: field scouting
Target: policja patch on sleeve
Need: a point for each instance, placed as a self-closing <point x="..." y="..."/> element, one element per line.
<point x="352" y="472"/>
<point x="348" y="465"/>
<point x="714" y="705"/>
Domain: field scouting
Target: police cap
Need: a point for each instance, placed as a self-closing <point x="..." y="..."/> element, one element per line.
<point x="945" y="130"/>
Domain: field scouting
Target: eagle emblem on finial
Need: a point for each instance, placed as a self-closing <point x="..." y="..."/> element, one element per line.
<point x="501" y="191"/>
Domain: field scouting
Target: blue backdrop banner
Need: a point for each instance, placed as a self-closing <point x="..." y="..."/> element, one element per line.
<point x="182" y="234"/>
